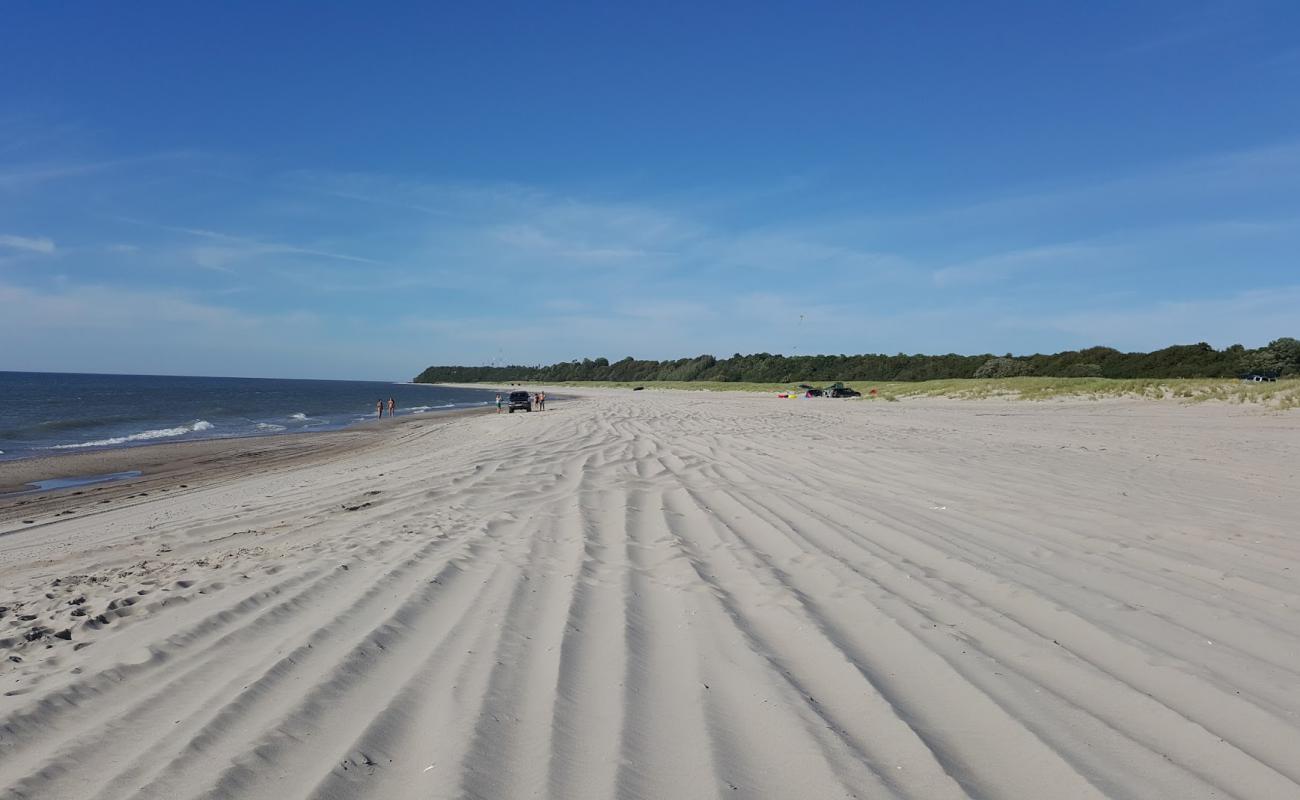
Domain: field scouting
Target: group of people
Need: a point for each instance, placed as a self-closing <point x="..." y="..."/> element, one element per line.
<point x="538" y="400"/>
<point x="379" y="408"/>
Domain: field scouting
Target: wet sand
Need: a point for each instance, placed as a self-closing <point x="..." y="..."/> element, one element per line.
<point x="178" y="466"/>
<point x="680" y="595"/>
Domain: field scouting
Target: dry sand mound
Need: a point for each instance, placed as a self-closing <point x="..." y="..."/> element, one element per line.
<point x="683" y="596"/>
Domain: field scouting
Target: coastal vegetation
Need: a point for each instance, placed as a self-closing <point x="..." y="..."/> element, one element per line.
<point x="1280" y="358"/>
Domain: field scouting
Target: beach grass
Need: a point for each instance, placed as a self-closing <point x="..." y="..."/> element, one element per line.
<point x="1284" y="394"/>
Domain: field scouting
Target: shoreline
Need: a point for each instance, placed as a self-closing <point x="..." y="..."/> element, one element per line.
<point x="178" y="466"/>
<point x="59" y="414"/>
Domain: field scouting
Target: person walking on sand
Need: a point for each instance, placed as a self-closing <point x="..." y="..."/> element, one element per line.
<point x="392" y="408"/>
<point x="498" y="402"/>
<point x="379" y="409"/>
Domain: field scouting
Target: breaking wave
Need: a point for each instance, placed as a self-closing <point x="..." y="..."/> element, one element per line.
<point x="160" y="433"/>
<point x="422" y="409"/>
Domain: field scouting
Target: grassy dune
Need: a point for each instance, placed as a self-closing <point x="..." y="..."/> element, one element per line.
<point x="1283" y="394"/>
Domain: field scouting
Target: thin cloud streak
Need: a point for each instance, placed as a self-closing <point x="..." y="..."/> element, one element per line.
<point x="245" y="247"/>
<point x="30" y="175"/>
<point x="27" y="243"/>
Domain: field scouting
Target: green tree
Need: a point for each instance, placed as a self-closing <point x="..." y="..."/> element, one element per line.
<point x="1002" y="367"/>
<point x="1287" y="352"/>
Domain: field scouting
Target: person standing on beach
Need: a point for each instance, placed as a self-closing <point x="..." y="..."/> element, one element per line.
<point x="498" y="403"/>
<point x="379" y="409"/>
<point x="541" y="401"/>
<point x="392" y="408"/>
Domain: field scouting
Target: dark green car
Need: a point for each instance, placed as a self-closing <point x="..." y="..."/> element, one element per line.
<point x="519" y="400"/>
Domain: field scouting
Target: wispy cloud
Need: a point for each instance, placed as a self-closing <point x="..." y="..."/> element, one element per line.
<point x="1170" y="39"/>
<point x="25" y="176"/>
<point x="665" y="253"/>
<point x="103" y="328"/>
<point x="1002" y="266"/>
<point x="234" y="248"/>
<point x="529" y="240"/>
<point x="28" y="243"/>
<point x="244" y="247"/>
<point x="1195" y="25"/>
<point x="527" y="273"/>
<point x="93" y="307"/>
<point x="1216" y="184"/>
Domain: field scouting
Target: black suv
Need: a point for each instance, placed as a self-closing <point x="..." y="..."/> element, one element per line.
<point x="522" y="400"/>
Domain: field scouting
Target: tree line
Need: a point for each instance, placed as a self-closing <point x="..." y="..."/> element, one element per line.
<point x="1279" y="358"/>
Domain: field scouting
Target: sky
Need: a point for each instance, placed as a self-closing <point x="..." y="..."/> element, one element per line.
<point x="349" y="190"/>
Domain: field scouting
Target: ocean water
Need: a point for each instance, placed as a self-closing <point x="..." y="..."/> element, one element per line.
<point x="43" y="413"/>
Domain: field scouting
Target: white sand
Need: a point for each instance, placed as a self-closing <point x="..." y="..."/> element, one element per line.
<point x="685" y="596"/>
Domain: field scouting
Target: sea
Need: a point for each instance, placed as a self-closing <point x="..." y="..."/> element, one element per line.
<point x="46" y="413"/>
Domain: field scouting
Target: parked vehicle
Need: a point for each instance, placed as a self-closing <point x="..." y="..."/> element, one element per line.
<point x="520" y="400"/>
<point x="836" y="389"/>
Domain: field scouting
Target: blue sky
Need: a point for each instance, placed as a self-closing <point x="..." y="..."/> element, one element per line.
<point x="360" y="190"/>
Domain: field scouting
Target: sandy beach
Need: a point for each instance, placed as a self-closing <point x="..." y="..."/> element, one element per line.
<point x="675" y="595"/>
